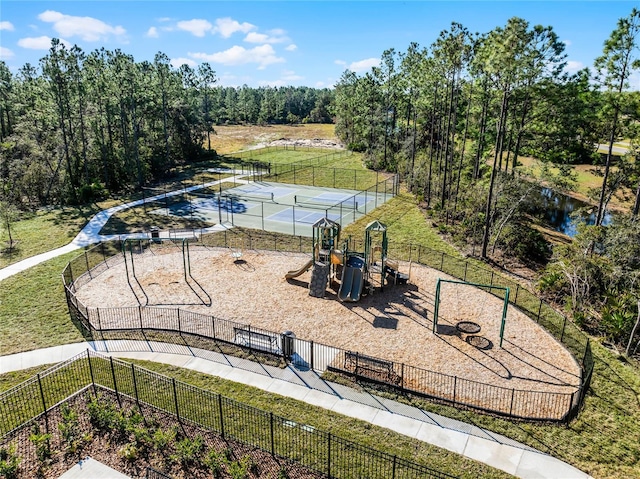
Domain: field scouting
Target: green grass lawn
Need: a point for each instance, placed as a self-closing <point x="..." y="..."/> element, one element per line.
<point x="589" y="180"/>
<point x="45" y="230"/>
<point x="33" y="310"/>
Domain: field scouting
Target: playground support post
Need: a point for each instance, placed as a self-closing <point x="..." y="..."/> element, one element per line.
<point x="504" y="314"/>
<point x="477" y="285"/>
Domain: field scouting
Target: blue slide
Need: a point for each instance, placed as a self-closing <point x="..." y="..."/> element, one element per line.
<point x="352" y="280"/>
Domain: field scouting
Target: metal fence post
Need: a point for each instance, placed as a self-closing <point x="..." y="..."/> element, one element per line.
<point x="455" y="384"/>
<point x="99" y="323"/>
<point x="93" y="381"/>
<point x="44" y="404"/>
<point x="329" y="455"/>
<point x="312" y="359"/>
<point x="513" y="393"/>
<point x="393" y="469"/>
<point x="273" y="449"/>
<point x="175" y="399"/>
<point x="539" y="311"/>
<point x="86" y="261"/>
<point x="115" y="384"/>
<point x="221" y="416"/>
<point x="140" y="316"/>
<point x="135" y="386"/>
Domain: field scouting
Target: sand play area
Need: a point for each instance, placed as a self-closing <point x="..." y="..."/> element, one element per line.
<point x="394" y="324"/>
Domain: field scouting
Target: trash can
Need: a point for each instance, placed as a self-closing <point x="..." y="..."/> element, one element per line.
<point x="155" y="232"/>
<point x="288" y="348"/>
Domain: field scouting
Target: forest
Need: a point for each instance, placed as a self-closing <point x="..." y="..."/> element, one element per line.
<point x="77" y="127"/>
<point x="456" y="120"/>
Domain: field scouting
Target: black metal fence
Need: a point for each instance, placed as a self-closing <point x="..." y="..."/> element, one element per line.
<point x="510" y="402"/>
<point x="317" y="450"/>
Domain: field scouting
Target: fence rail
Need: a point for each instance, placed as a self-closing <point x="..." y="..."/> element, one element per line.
<point x="317" y="450"/>
<point x="509" y="402"/>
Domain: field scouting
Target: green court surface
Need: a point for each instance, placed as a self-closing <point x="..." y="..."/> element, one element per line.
<point x="278" y="207"/>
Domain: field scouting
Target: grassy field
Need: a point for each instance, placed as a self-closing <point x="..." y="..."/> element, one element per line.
<point x="589" y="180"/>
<point x="33" y="310"/>
<point x="238" y="137"/>
<point x="45" y="230"/>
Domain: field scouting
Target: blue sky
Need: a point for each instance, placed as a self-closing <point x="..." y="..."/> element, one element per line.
<point x="285" y="43"/>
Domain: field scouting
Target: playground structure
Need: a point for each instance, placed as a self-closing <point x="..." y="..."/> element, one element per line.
<point x="470" y="328"/>
<point x="359" y="273"/>
<point x="153" y="247"/>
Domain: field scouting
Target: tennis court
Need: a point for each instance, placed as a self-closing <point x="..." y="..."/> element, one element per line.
<point x="279" y="207"/>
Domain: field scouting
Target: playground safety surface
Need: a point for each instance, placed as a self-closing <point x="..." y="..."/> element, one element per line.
<point x="395" y="324"/>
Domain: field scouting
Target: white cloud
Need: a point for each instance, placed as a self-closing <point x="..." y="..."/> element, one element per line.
<point x="364" y="65"/>
<point x="291" y="75"/>
<point x="178" y="62"/>
<point x="287" y="78"/>
<point x="320" y="84"/>
<point x="274" y="36"/>
<point x="39" y="43"/>
<point x="6" y="26"/>
<point x="292" y="48"/>
<point x="197" y="26"/>
<point x="6" y="54"/>
<point x="152" y="33"/>
<point x="228" y="26"/>
<point x="87" y="28"/>
<point x="573" y="66"/>
<point x="567" y="42"/>
<point x="340" y="62"/>
<point x="263" y="55"/>
<point x="164" y="19"/>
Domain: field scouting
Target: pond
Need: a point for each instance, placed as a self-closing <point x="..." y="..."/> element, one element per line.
<point x="563" y="213"/>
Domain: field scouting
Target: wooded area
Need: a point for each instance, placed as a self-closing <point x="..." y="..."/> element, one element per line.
<point x="78" y="126"/>
<point x="454" y="119"/>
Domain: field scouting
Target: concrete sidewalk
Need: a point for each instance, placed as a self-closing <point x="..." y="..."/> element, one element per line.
<point x="90" y="234"/>
<point x="307" y="386"/>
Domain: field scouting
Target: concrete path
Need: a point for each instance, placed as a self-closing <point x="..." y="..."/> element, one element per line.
<point x="90" y="234"/>
<point x="307" y="386"/>
<point x="91" y="469"/>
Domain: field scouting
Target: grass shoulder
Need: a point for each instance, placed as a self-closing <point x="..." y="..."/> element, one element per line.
<point x="33" y="310"/>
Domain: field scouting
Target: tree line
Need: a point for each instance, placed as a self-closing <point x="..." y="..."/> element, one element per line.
<point x="456" y="118"/>
<point x="460" y="114"/>
<point x="79" y="125"/>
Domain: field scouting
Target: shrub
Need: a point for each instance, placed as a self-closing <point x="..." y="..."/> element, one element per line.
<point x="9" y="462"/>
<point x="128" y="452"/>
<point x="188" y="450"/>
<point x="41" y="441"/>
<point x="69" y="428"/>
<point x="214" y="460"/>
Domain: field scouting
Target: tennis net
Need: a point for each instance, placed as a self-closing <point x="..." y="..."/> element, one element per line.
<point x="349" y="203"/>
<point x="250" y="195"/>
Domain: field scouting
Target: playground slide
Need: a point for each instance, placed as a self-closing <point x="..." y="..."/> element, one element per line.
<point x="351" y="286"/>
<point x="352" y="280"/>
<point x="297" y="272"/>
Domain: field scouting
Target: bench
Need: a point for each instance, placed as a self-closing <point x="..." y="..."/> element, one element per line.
<point x="254" y="340"/>
<point x="370" y="367"/>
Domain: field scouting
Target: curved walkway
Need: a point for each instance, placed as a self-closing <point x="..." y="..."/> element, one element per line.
<point x="307" y="386"/>
<point x="90" y="234"/>
<point x="470" y="441"/>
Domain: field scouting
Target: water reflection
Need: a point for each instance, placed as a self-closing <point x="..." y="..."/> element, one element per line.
<point x="563" y="213"/>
